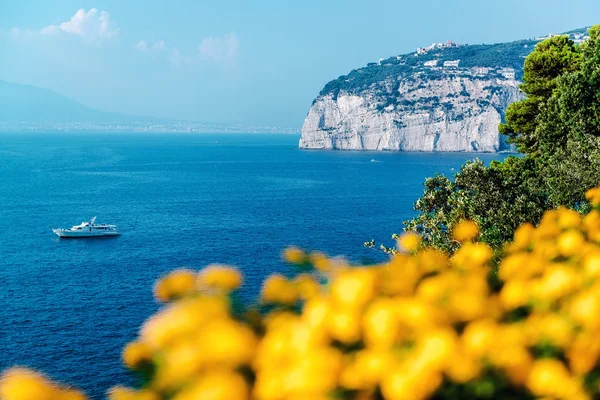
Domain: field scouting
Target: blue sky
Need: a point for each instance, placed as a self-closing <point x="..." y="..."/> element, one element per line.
<point x="258" y="62"/>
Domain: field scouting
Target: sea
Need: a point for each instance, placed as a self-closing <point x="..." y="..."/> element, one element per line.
<point x="68" y="306"/>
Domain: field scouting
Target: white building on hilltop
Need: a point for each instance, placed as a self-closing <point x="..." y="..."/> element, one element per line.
<point x="436" y="46"/>
<point x="451" y="64"/>
<point x="480" y="71"/>
<point x="508" y="73"/>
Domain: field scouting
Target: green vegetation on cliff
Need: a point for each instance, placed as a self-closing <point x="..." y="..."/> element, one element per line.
<point x="494" y="56"/>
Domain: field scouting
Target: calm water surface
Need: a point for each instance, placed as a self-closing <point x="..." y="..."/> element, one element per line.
<point x="69" y="306"/>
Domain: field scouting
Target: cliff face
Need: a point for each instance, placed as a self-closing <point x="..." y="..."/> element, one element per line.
<point x="444" y="97"/>
<point x="453" y="113"/>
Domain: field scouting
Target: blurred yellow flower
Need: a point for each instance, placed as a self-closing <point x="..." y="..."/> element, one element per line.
<point x="306" y="286"/>
<point x="294" y="255"/>
<point x="593" y="196"/>
<point x="550" y="377"/>
<point x="136" y="353"/>
<point x="176" y="284"/>
<point x="216" y="385"/>
<point x="409" y="241"/>
<point x="277" y="289"/>
<point x="220" y="277"/>
<point x="122" y="393"/>
<point x="24" y="384"/>
<point x="353" y="287"/>
<point x="465" y="230"/>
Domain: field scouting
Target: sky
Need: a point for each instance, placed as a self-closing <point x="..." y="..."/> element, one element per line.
<point x="259" y="62"/>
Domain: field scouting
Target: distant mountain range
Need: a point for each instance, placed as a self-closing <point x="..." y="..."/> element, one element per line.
<point x="29" y="103"/>
<point x="443" y="97"/>
<point x="30" y="108"/>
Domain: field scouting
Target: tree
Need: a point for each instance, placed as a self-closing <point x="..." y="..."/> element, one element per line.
<point x="498" y="198"/>
<point x="551" y="59"/>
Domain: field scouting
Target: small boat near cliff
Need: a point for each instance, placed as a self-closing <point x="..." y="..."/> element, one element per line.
<point x="88" y="229"/>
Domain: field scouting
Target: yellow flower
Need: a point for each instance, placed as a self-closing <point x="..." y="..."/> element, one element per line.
<point x="593" y="196"/>
<point x="315" y="312"/>
<point x="294" y="255"/>
<point x="523" y="237"/>
<point x="122" y="393"/>
<point x="465" y="230"/>
<point x="417" y="314"/>
<point x="316" y="372"/>
<point x="557" y="281"/>
<point x="176" y="284"/>
<point x="549" y="377"/>
<point x="344" y="325"/>
<point x="227" y="342"/>
<point x="353" y="287"/>
<point x="136" y="353"/>
<point x="550" y="327"/>
<point x="306" y="286"/>
<point x="179" y="362"/>
<point x="373" y="365"/>
<point x="568" y="218"/>
<point x="409" y="241"/>
<point x="591" y="264"/>
<point x="436" y="348"/>
<point x="570" y="242"/>
<point x="220" y="277"/>
<point x="471" y="256"/>
<point x="381" y="324"/>
<point x="585" y="309"/>
<point x="463" y="368"/>
<point x="277" y="289"/>
<point x="515" y="293"/>
<point x="479" y="337"/>
<point x="24" y="384"/>
<point x="182" y="318"/>
<point x="432" y="260"/>
<point x="216" y="385"/>
<point x="583" y="353"/>
<point x="405" y="383"/>
<point x="467" y="305"/>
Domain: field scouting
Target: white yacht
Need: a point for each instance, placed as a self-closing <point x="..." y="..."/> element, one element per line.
<point x="88" y="229"/>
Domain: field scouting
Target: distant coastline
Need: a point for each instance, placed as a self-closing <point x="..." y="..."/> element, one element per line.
<point x="142" y="126"/>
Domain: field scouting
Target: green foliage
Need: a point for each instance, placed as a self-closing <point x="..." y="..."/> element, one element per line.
<point x="492" y="56"/>
<point x="498" y="198"/>
<point x="551" y="59"/>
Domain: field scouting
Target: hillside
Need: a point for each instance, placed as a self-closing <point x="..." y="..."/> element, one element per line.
<point x="444" y="97"/>
<point x="25" y="108"/>
<point x="33" y="104"/>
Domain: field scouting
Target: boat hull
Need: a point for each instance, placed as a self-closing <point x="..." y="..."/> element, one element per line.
<point x="74" y="235"/>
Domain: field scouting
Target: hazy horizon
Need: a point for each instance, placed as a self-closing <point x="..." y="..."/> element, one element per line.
<point x="237" y="63"/>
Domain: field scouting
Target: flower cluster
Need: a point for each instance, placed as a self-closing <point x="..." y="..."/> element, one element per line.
<point x="422" y="325"/>
<point x="24" y="384"/>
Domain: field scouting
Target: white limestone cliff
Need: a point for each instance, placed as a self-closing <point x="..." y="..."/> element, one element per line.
<point x="452" y="113"/>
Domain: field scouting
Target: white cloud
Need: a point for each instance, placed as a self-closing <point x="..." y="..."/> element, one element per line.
<point x="141" y="45"/>
<point x="145" y="47"/>
<point x="220" y="49"/>
<point x="160" y="45"/>
<point x="90" y="26"/>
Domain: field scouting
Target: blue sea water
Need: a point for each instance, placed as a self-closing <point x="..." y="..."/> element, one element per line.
<point x="68" y="307"/>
